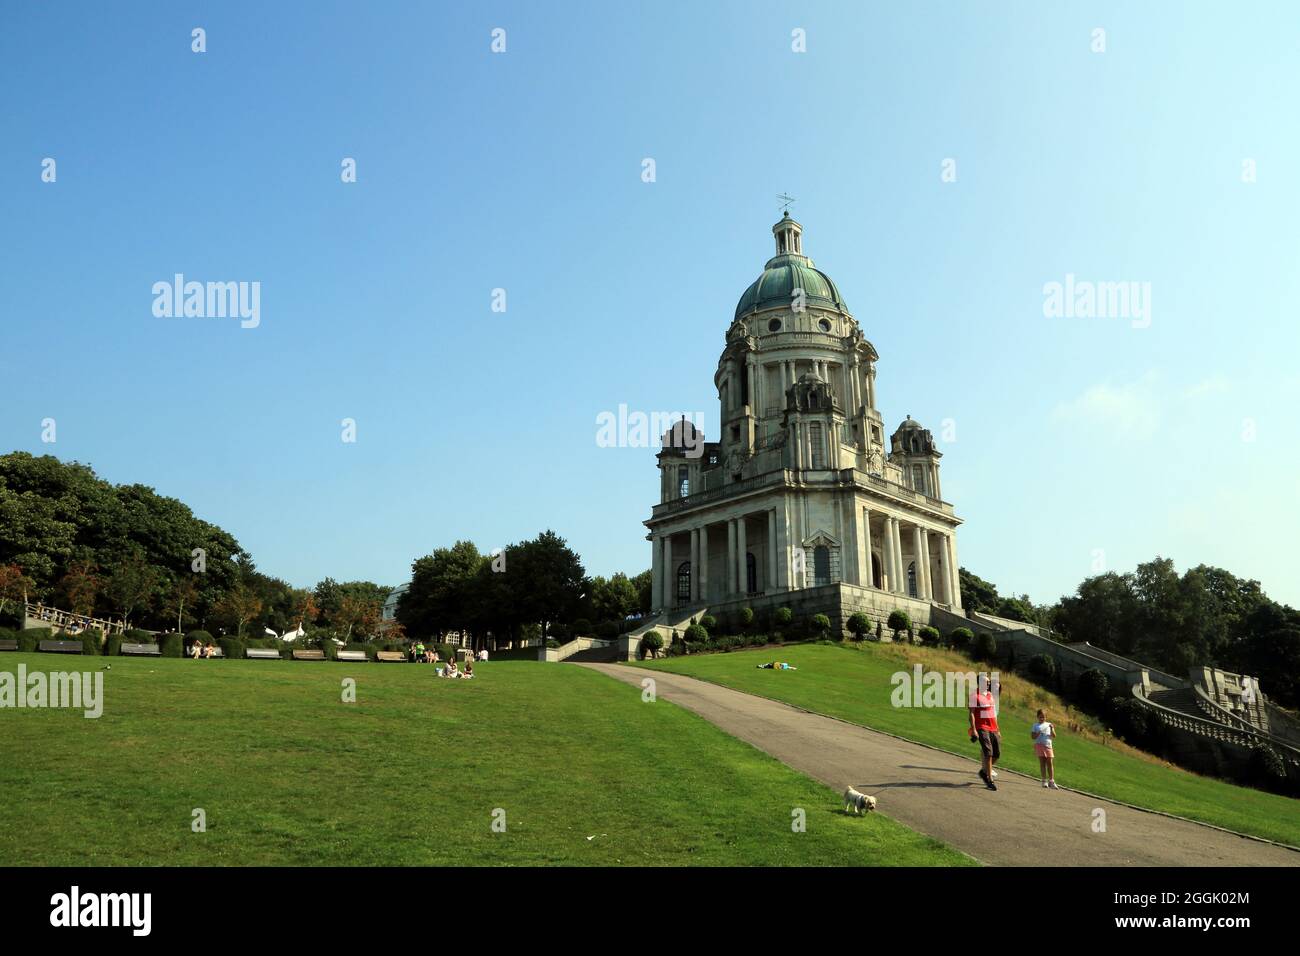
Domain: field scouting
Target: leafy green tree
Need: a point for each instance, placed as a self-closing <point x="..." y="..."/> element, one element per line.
<point x="438" y="599"/>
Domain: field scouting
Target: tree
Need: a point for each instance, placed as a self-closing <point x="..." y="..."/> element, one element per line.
<point x="550" y="579"/>
<point x="132" y="584"/>
<point x="858" y="624"/>
<point x="438" y="599"/>
<point x="79" y="588"/>
<point x="239" y="605"/>
<point x="898" y="622"/>
<point x="182" y="597"/>
<point x="14" y="586"/>
<point x="614" y="599"/>
<point x="356" y="614"/>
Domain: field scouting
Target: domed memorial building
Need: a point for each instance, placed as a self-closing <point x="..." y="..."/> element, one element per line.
<point x="801" y="503"/>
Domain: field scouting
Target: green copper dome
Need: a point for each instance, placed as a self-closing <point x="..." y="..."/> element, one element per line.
<point x="788" y="270"/>
<point x="782" y="275"/>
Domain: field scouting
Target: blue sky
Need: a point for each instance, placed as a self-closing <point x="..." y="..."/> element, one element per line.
<point x="522" y="171"/>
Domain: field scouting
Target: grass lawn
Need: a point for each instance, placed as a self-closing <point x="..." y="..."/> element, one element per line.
<point x="853" y="682"/>
<point x="409" y="774"/>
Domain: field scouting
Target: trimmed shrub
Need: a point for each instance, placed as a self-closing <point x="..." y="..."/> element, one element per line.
<point x="709" y="623"/>
<point x="1091" y="689"/>
<point x="1267" y="769"/>
<point x="821" y="625"/>
<point x="898" y="622"/>
<point x="172" y="645"/>
<point x="652" y="643"/>
<point x="92" y="641"/>
<point x="929" y="636"/>
<point x="135" y="635"/>
<point x="960" y="639"/>
<point x="858" y="624"/>
<point x="8" y="634"/>
<point x="783" y="617"/>
<point x="29" y="637"/>
<point x="232" y="647"/>
<point x="113" y="646"/>
<point x="370" y="649"/>
<point x="695" y="634"/>
<point x="745" y="618"/>
<point x="1130" y="719"/>
<point x="1042" y="670"/>
<point x="984" y="647"/>
<point x="582" y="628"/>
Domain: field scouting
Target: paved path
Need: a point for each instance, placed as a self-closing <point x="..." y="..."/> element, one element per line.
<point x="939" y="793"/>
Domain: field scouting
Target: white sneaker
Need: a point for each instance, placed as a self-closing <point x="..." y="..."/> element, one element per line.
<point x="1044" y="784"/>
<point x="995" y="774"/>
<point x="1052" y="784"/>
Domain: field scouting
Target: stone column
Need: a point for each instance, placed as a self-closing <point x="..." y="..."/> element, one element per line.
<point x="955" y="569"/>
<point x="772" y="584"/>
<point x="887" y="554"/>
<point x="656" y="574"/>
<point x="730" y="588"/>
<point x="945" y="570"/>
<point x="865" y="515"/>
<point x="851" y="564"/>
<point x="742" y="586"/>
<point x="704" y="562"/>
<point x="918" y="562"/>
<point x="895" y="533"/>
<point x="666" y="562"/>
<point x="925" y="564"/>
<point x="695" y="564"/>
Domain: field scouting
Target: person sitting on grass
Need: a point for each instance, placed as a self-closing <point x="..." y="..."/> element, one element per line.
<point x="451" y="669"/>
<point x="1042" y="734"/>
<point x="435" y="657"/>
<point x="469" y="668"/>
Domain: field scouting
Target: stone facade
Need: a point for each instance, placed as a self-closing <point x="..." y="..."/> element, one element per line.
<point x="801" y="500"/>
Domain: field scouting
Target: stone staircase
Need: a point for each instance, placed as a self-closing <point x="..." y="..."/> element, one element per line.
<point x="599" y="655"/>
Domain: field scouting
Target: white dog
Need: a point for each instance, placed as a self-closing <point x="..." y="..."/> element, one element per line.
<point x="860" y="802"/>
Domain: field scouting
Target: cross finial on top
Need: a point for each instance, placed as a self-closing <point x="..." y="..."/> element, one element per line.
<point x="785" y="202"/>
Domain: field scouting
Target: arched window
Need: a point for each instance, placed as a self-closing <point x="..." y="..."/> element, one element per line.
<point x="683" y="481"/>
<point x="751" y="573"/>
<point x="684" y="582"/>
<point x="911" y="579"/>
<point x="821" y="564"/>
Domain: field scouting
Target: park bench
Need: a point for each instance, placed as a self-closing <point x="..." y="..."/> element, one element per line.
<point x="390" y="657"/>
<point x="309" y="655"/>
<point x="262" y="653"/>
<point x="8" y="645"/>
<point x="140" y="650"/>
<point x="359" y="656"/>
<point x="61" y="647"/>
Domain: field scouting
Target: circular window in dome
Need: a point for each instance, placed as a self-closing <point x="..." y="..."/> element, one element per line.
<point x="825" y="325"/>
<point x="774" y="325"/>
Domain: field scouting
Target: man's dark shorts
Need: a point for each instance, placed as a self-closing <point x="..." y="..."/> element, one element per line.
<point x="991" y="743"/>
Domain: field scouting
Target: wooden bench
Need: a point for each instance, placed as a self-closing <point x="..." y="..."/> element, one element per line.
<point x="358" y="656"/>
<point x="140" y="650"/>
<point x="262" y="653"/>
<point x="309" y="655"/>
<point x="61" y="647"/>
<point x="390" y="657"/>
<point x="8" y="645"/>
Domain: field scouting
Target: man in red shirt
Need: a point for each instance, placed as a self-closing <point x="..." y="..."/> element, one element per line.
<point x="984" y="729"/>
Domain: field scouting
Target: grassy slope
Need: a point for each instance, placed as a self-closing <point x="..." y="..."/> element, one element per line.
<point x="410" y="774"/>
<point x="854" y="683"/>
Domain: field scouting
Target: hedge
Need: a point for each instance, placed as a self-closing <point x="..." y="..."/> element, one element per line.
<point x="232" y="647"/>
<point x="29" y="637"/>
<point x="113" y="646"/>
<point x="92" y="641"/>
<point x="984" y="647"/>
<point x="696" y="634"/>
<point x="858" y="624"/>
<point x="960" y="638"/>
<point x="929" y="636"/>
<point x="370" y="649"/>
<point x="171" y="645"/>
<point x="1091" y="689"/>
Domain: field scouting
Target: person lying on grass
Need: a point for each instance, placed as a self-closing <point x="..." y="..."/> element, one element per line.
<point x="776" y="666"/>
